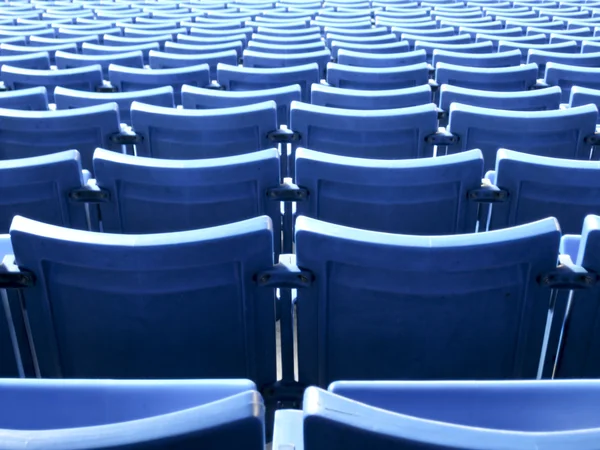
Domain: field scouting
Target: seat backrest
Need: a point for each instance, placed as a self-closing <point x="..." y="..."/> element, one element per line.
<point x="66" y="60"/>
<point x="39" y="188"/>
<point x="161" y="60"/>
<point x="377" y="134"/>
<point x="323" y="95"/>
<point x="170" y="133"/>
<point x="541" y="58"/>
<point x="447" y="303"/>
<point x="514" y="78"/>
<point x="531" y="197"/>
<point x="427" y="196"/>
<point x="580" y="343"/>
<point x="35" y="133"/>
<point x="556" y="133"/>
<point x="583" y="96"/>
<point x="39" y="61"/>
<point x="377" y="78"/>
<point x="173" y="305"/>
<point x="566" y="76"/>
<point x="64" y="413"/>
<point x="94" y="49"/>
<point x="351" y="58"/>
<point x="32" y="99"/>
<point x="271" y="60"/>
<point x="505" y="59"/>
<point x="234" y="78"/>
<point x="82" y="78"/>
<point x="149" y="195"/>
<point x="12" y="49"/>
<point x="70" y="99"/>
<point x="200" y="98"/>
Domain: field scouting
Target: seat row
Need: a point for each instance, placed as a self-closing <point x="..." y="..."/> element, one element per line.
<point x="230" y="414"/>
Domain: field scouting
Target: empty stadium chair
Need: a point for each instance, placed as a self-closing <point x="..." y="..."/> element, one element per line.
<point x="36" y="133"/>
<point x="88" y="414"/>
<point x="387" y="38"/>
<point x="201" y="98"/>
<point x="73" y="33"/>
<point x="66" y="60"/>
<point x="541" y="58"/>
<point x="38" y="61"/>
<point x="234" y="78"/>
<point x="88" y="78"/>
<point x="375" y="78"/>
<point x="195" y="134"/>
<point x="12" y="49"/>
<point x="120" y="41"/>
<point x="267" y="39"/>
<point x="528" y="196"/>
<point x="487" y="60"/>
<point x="334" y="97"/>
<point x="70" y="98"/>
<point x="231" y="333"/>
<point x="448" y="415"/>
<point x="160" y="60"/>
<point x="562" y="47"/>
<point x="383" y="278"/>
<point x="567" y="76"/>
<point x="579" y="338"/>
<point x="559" y="134"/>
<point x="197" y="49"/>
<point x="33" y="99"/>
<point x="287" y="47"/>
<point x="473" y="48"/>
<point x="127" y="79"/>
<point x="391" y="196"/>
<point x="351" y="58"/>
<point x="272" y="60"/>
<point x="149" y="195"/>
<point x="392" y="47"/>
<point x="514" y="78"/>
<point x="43" y="41"/>
<point x="94" y="49"/>
<point x="583" y="96"/>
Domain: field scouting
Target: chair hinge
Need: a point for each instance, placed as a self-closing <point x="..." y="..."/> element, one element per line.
<point x="283" y="136"/>
<point x="284" y="276"/>
<point x="441" y="138"/>
<point x="11" y="277"/>
<point x="4" y="88"/>
<point x="106" y="88"/>
<point x="564" y="277"/>
<point x="126" y="138"/>
<point x="433" y="85"/>
<point x="89" y="195"/>
<point x="488" y="194"/>
<point x="287" y="192"/>
<point x="215" y="87"/>
<point x="592" y="139"/>
<point x="540" y="84"/>
<point x="441" y="114"/>
<point x="283" y="395"/>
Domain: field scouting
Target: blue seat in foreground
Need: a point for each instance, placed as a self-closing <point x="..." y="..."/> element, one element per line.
<point x="471" y="415"/>
<point x="448" y="303"/>
<point x="179" y="305"/>
<point x="141" y="414"/>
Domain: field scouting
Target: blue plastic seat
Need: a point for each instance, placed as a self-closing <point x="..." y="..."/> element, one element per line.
<point x="566" y="76"/>
<point x="393" y="47"/>
<point x="377" y="31"/>
<point x="39" y="188"/>
<point x="418" y="29"/>
<point x="198" y="49"/>
<point x="42" y="41"/>
<point x="474" y="30"/>
<point x="94" y="49"/>
<point x="286" y="47"/>
<point x="530" y="197"/>
<point x="359" y="59"/>
<point x="454" y="39"/>
<point x="559" y="134"/>
<point x="487" y="60"/>
<point x="333" y="97"/>
<point x="13" y="34"/>
<point x="36" y="133"/>
<point x="202" y="32"/>
<point x="90" y="414"/>
<point x="558" y="38"/>
<point x="474" y="48"/>
<point x="127" y="79"/>
<point x="541" y="58"/>
<point x="196" y="134"/>
<point x="120" y="41"/>
<point x="234" y="78"/>
<point x="386" y="280"/>
<point x="201" y="98"/>
<point x="12" y="49"/>
<point x="74" y="33"/>
<point x="531" y="39"/>
<point x="376" y="134"/>
<point x="590" y="47"/>
<point x="390" y="196"/>
<point x="268" y="39"/>
<point x="514" y="78"/>
<point x="199" y="284"/>
<point x="87" y="78"/>
<point x="140" y="32"/>
<point x="32" y="99"/>
<point x="561" y="47"/>
<point x="387" y="38"/>
<point x="579" y="344"/>
<point x="583" y="96"/>
<point x="581" y="31"/>
<point x="65" y="60"/>
<point x="70" y="99"/>
<point x="376" y="78"/>
<point x="270" y="60"/>
<point x="160" y="60"/>
<point x="470" y="415"/>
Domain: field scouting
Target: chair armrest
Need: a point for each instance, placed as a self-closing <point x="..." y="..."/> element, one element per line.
<point x="288" y="433"/>
<point x="569" y="246"/>
<point x="490" y="177"/>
